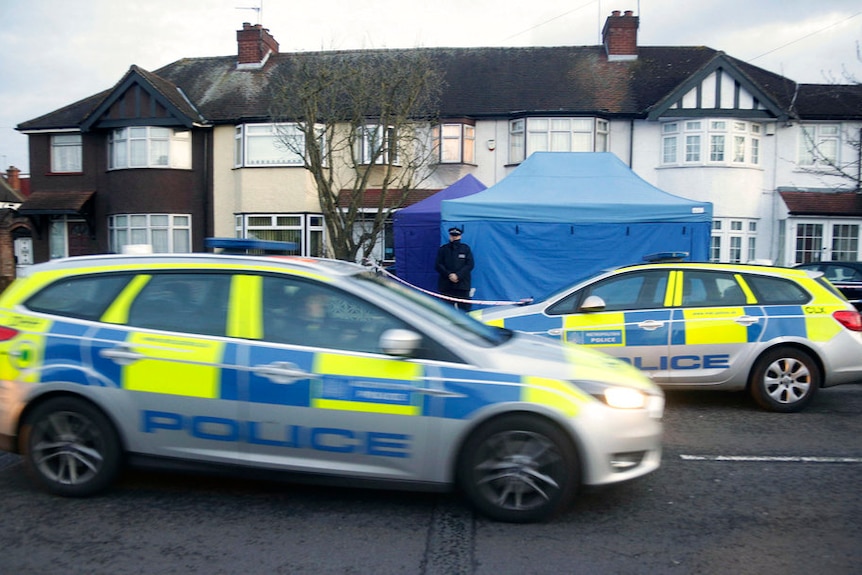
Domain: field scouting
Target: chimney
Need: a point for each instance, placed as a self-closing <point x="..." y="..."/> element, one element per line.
<point x="254" y="46"/>
<point x="620" y="36"/>
<point x="12" y="178"/>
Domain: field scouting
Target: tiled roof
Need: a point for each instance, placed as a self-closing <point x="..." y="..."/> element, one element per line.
<point x="823" y="204"/>
<point x="55" y="202"/>
<point x="478" y="82"/>
<point x="9" y="195"/>
<point x="371" y="198"/>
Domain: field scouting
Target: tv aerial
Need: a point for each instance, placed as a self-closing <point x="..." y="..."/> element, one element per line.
<point x="258" y="9"/>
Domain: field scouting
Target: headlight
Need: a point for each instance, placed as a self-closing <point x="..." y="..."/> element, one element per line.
<point x="616" y="396"/>
<point x="625" y="398"/>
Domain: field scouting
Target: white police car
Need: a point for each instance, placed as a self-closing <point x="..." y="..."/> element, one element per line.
<point x="779" y="333"/>
<point x="305" y="366"/>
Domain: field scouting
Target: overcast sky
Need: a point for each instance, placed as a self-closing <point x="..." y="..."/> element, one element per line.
<point x="55" y="52"/>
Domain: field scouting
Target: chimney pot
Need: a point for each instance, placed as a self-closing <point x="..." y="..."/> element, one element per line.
<point x="254" y="45"/>
<point x="620" y="36"/>
<point x="13" y="178"/>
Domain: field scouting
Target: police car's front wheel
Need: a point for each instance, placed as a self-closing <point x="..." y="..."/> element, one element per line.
<point x="70" y="448"/>
<point x="785" y="379"/>
<point x="518" y="468"/>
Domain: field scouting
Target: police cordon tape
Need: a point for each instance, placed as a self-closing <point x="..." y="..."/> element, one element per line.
<point x="380" y="269"/>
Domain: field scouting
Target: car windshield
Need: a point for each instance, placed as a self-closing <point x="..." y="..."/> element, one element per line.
<point x="431" y="310"/>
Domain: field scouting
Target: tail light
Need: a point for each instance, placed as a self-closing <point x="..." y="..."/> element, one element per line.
<point x="7" y="333"/>
<point x="852" y="320"/>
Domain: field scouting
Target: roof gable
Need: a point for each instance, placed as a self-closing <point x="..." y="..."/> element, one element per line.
<point x="720" y="88"/>
<point x="142" y="95"/>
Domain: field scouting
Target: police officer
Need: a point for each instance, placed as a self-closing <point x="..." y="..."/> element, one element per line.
<point x="454" y="264"/>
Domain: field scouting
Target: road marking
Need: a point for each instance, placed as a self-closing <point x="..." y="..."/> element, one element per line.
<point x="772" y="458"/>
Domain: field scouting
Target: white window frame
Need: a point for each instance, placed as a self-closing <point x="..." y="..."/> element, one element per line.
<point x="377" y="144"/>
<point x="734" y="240"/>
<point x="557" y="134"/>
<point x="455" y="143"/>
<point x="815" y="141"/>
<point x="164" y="233"/>
<point x="67" y="154"/>
<point x="136" y="147"/>
<point x="670" y="142"/>
<point x="713" y="142"/>
<point x="269" y="145"/>
<point x="825" y="239"/>
<point x="307" y="230"/>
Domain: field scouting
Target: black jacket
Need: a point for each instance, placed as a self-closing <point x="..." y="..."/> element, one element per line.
<point x="454" y="257"/>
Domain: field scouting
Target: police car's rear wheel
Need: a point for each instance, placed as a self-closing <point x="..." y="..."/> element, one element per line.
<point x="518" y="468"/>
<point x="785" y="379"/>
<point x="70" y="448"/>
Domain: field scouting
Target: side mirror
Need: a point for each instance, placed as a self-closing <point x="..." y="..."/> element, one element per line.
<point x="400" y="342"/>
<point x="593" y="303"/>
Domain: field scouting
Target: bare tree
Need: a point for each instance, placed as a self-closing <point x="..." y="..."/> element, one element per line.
<point x="363" y="123"/>
<point x="845" y="96"/>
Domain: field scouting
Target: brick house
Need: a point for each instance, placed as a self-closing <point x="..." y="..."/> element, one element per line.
<point x="15" y="231"/>
<point x="173" y="156"/>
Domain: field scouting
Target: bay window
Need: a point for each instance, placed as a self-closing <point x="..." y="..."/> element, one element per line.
<point x="149" y="147"/>
<point x="709" y="142"/>
<point x="268" y="145"/>
<point x="556" y="135"/>
<point x="165" y="233"/>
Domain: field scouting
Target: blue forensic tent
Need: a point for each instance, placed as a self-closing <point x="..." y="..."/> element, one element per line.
<point x="416" y="231"/>
<point x="561" y="216"/>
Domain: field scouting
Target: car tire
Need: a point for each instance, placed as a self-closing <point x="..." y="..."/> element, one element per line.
<point x="70" y="448"/>
<point x="785" y="380"/>
<point x="518" y="468"/>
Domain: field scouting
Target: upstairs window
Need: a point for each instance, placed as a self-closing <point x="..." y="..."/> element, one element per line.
<point x="556" y="135"/>
<point x="818" y="145"/>
<point x="455" y="143"/>
<point x="710" y="142"/>
<point x="149" y="147"/>
<point x="377" y="145"/>
<point x="66" y="154"/>
<point x="268" y="145"/>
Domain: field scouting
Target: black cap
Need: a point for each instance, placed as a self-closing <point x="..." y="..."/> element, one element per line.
<point x="454" y="232"/>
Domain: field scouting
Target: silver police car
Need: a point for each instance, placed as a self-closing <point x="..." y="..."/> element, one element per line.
<point x="311" y="367"/>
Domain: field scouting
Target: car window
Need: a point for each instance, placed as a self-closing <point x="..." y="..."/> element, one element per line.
<point x="190" y="303"/>
<point x="777" y="291"/>
<point x="839" y="273"/>
<point x="635" y="290"/>
<point x="301" y="312"/>
<point x="84" y="297"/>
<point x="709" y="288"/>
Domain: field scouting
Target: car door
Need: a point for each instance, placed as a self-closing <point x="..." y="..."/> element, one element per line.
<point x="162" y="345"/>
<point x="320" y="396"/>
<point x="633" y="323"/>
<point x="715" y="327"/>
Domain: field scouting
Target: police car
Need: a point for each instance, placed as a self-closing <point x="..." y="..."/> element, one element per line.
<point x="779" y="333"/>
<point x="305" y="366"/>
